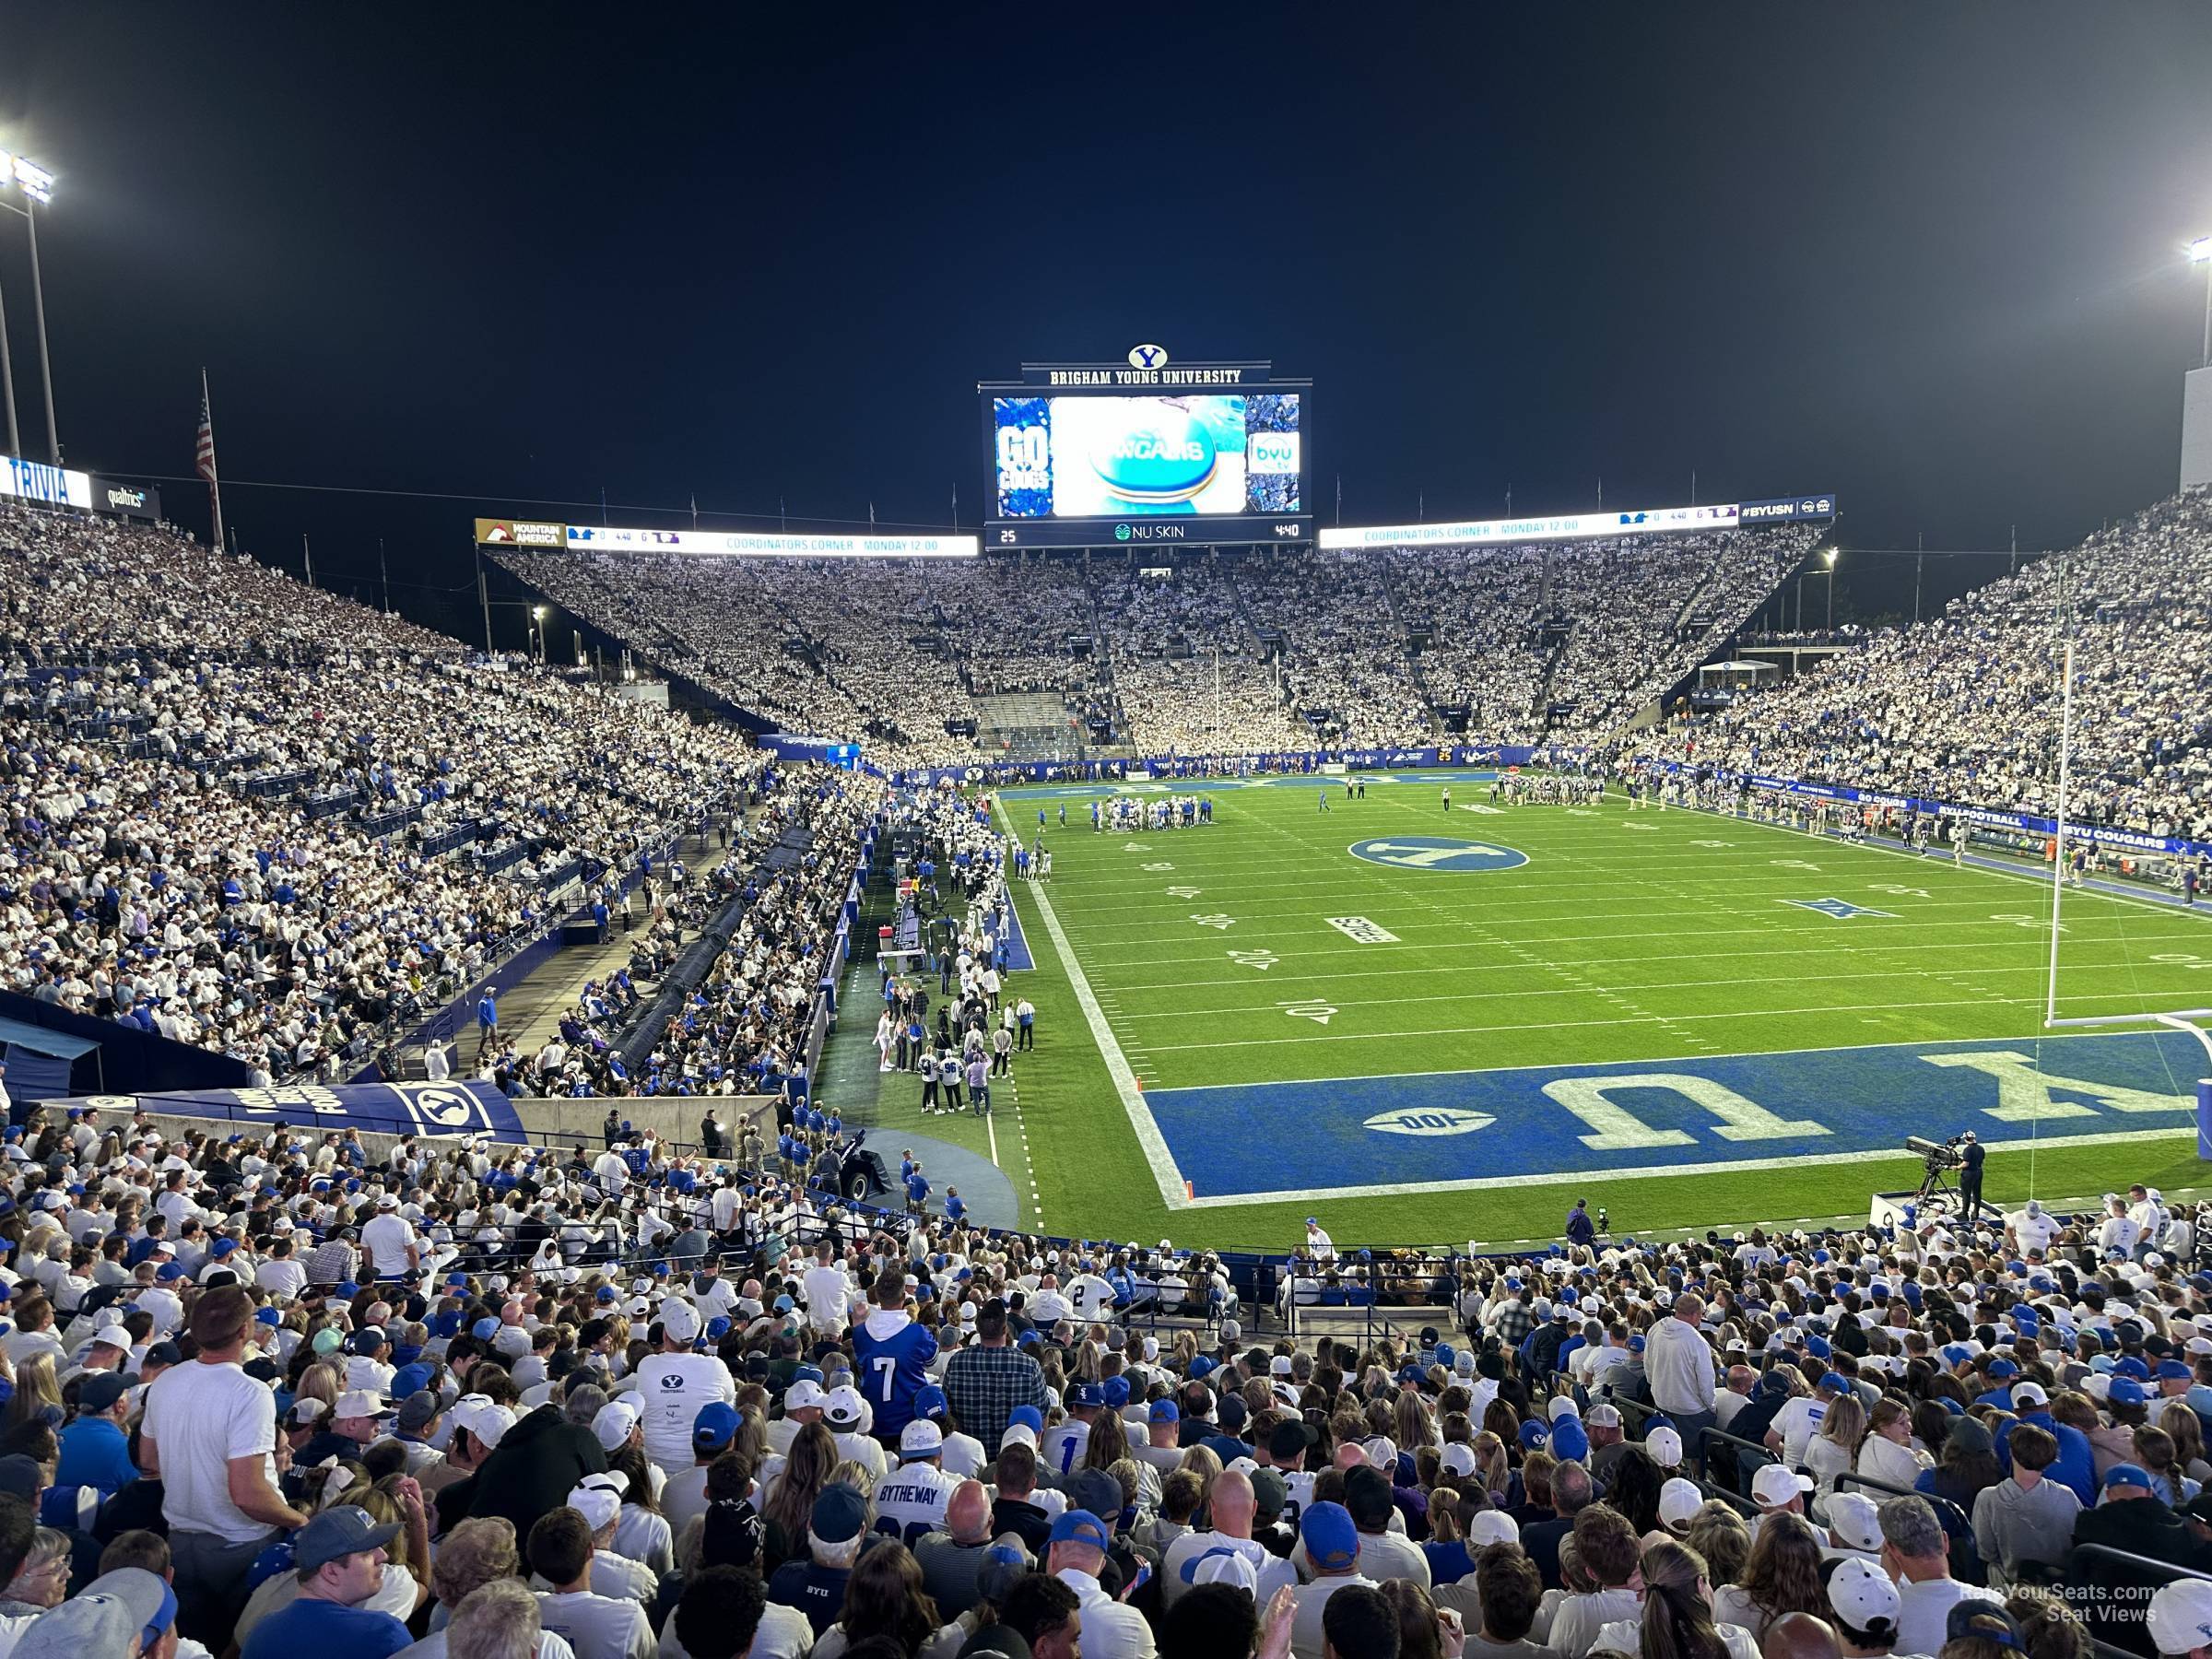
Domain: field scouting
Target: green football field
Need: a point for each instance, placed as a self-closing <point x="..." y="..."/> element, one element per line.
<point x="1429" y="1026"/>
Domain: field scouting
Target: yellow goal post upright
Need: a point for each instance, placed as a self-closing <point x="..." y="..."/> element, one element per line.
<point x="2179" y="1019"/>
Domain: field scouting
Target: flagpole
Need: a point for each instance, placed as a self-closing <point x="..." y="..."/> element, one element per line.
<point x="215" y="472"/>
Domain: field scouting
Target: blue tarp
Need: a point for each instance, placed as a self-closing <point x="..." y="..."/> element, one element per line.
<point x="18" y="1033"/>
<point x="455" y="1107"/>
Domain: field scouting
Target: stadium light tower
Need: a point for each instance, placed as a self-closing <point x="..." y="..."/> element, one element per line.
<point x="1827" y="556"/>
<point x="2200" y="253"/>
<point x="21" y="175"/>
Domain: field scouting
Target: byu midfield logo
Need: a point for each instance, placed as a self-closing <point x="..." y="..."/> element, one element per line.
<point x="1447" y="853"/>
<point x="1148" y="356"/>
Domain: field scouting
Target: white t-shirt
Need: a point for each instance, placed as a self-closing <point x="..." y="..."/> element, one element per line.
<point x="200" y="1417"/>
<point x="1797" y="1422"/>
<point x="669" y="1390"/>
<point x="827" y="1292"/>
<point x="386" y="1239"/>
<point x="597" y="1626"/>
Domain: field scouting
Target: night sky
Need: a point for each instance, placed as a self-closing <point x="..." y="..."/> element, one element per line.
<point x="1925" y="257"/>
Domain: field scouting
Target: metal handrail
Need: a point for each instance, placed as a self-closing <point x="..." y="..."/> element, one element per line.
<point x="2146" y="1563"/>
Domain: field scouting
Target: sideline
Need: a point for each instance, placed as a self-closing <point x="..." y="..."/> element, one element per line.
<point x="1148" y="1138"/>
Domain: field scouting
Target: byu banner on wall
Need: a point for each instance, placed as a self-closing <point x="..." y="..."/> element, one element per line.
<point x="450" y="1108"/>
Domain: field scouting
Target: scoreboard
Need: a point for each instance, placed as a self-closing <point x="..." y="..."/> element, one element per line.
<point x="1147" y="452"/>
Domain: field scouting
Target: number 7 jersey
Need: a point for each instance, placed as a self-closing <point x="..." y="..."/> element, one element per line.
<point x="893" y="1355"/>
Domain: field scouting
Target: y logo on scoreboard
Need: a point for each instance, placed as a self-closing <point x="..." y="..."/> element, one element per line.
<point x="1446" y="853"/>
<point x="1148" y="356"/>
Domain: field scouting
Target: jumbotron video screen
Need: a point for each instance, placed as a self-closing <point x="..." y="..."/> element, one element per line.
<point x="1191" y="453"/>
<point x="1125" y="457"/>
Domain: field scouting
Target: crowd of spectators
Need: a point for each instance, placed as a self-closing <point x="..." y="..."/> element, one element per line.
<point x="247" y="815"/>
<point x="290" y="1392"/>
<point x="1966" y="707"/>
<point x="1274" y="651"/>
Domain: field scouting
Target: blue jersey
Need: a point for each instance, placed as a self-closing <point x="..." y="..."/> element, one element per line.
<point x="893" y="1367"/>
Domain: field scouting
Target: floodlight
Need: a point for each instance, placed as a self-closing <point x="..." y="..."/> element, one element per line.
<point x="2200" y="250"/>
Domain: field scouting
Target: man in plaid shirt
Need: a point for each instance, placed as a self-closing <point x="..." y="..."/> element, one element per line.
<point x="984" y="1384"/>
<point x="1511" y="1318"/>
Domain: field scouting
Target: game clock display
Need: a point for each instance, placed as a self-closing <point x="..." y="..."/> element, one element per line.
<point x="1118" y="457"/>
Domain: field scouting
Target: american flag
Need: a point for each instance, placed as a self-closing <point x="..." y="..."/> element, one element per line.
<point x="206" y="450"/>
<point x="204" y="459"/>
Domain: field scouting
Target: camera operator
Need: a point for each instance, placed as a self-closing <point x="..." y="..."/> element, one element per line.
<point x="1971" y="1153"/>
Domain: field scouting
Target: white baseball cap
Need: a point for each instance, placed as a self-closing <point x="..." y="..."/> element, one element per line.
<point x="679" y="1319"/>
<point x="844" y="1407"/>
<point x="1018" y="1434"/>
<point x="1678" y="1500"/>
<point x="1855" y="1521"/>
<point x="921" y="1439"/>
<point x="615" y="1422"/>
<point x="1665" y="1444"/>
<point x="806" y="1394"/>
<point x="1493" y="1527"/>
<point x="490" y="1425"/>
<point x="2181" y="1616"/>
<point x="1863" y="1597"/>
<point x="1459" y="1458"/>
<point x="2029" y="1394"/>
<point x="1775" y="1486"/>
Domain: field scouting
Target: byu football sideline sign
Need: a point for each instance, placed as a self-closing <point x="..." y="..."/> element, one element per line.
<point x="1351" y="1137"/>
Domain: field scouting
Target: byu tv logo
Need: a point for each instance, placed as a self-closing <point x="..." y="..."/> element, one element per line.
<point x="1148" y="356"/>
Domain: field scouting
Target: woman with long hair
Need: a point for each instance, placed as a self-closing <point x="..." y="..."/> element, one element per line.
<point x="885" y="1602"/>
<point x="641" y="1532"/>
<point x="36" y="1389"/>
<point x="788" y="1503"/>
<point x="1782" y="1576"/>
<point x="1634" y="1490"/>
<point x="1835" y="1449"/>
<point x="1678" y="1622"/>
<point x="1718" y="1534"/>
<point x="1412" y="1427"/>
<point x="2180" y="1421"/>
<point x="1108" y="1443"/>
<point x="1420" y="1625"/>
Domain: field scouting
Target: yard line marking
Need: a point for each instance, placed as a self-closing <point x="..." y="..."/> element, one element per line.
<point x="1556" y="1025"/>
<point x="1167" y="1178"/>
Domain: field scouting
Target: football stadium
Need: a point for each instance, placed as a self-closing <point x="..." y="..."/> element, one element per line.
<point x="666" y="992"/>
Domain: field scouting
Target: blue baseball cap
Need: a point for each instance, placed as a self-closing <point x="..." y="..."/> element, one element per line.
<point x="2173" y="1371"/>
<point x="2002" y="1369"/>
<point x="714" y="1427"/>
<point x="2127" y="1474"/>
<point x="2126" y="1391"/>
<point x="1570" y="1440"/>
<point x="1087" y="1394"/>
<point x="1533" y="1435"/>
<point x="485" y="1329"/>
<point x="1836" y="1382"/>
<point x="930" y="1402"/>
<point x="1166" y="1411"/>
<point x="1080" y="1527"/>
<point x="841" y="1515"/>
<point x="1332" y="1541"/>
<point x="1029" y="1415"/>
<point x="1116" y="1391"/>
<point x="409" y="1379"/>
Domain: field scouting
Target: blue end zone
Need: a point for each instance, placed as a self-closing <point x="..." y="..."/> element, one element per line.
<point x="1419" y="1132"/>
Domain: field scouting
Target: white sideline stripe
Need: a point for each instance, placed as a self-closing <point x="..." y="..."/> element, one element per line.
<point x="1399" y="1189"/>
<point x="1148" y="1137"/>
